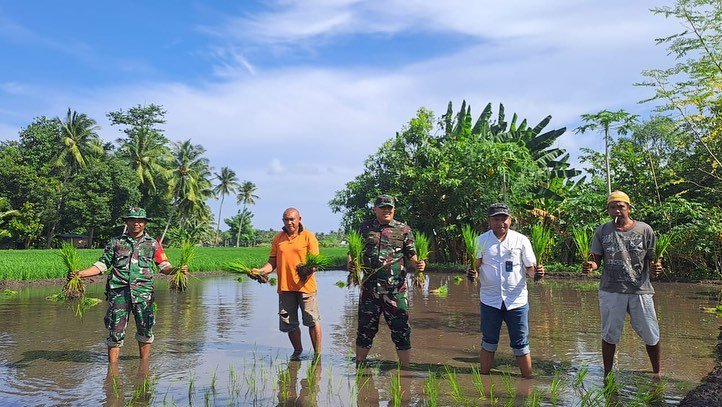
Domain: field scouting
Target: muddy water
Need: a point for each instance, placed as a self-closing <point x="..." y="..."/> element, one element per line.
<point x="218" y="344"/>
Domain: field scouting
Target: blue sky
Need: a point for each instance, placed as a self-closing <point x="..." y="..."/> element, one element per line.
<point x="294" y="96"/>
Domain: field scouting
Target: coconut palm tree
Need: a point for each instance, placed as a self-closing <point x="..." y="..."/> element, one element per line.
<point x="227" y="184"/>
<point x="245" y="196"/>
<point x="190" y="183"/>
<point x="77" y="142"/>
<point x="146" y="152"/>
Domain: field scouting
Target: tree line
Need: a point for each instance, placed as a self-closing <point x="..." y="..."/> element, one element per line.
<point x="446" y="170"/>
<point x="61" y="177"/>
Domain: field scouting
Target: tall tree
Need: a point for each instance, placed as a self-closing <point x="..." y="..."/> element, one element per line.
<point x="190" y="183"/>
<point x="691" y="90"/>
<point x="246" y="196"/>
<point x="77" y="141"/>
<point x="227" y="184"/>
<point x="144" y="146"/>
<point x="620" y="121"/>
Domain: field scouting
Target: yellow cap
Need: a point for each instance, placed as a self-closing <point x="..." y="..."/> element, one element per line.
<point x="618" y="196"/>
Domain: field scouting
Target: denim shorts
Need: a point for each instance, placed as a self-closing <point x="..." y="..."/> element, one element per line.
<point x="517" y="322"/>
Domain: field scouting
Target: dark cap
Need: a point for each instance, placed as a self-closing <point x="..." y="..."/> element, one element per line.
<point x="385" y="200"/>
<point x="498" y="209"/>
<point x="136" y="213"/>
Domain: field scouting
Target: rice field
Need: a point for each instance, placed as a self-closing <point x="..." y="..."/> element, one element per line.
<point x="46" y="264"/>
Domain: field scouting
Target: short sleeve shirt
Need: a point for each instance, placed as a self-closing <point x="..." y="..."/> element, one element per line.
<point x="132" y="263"/>
<point x="626" y="256"/>
<point x="502" y="275"/>
<point x="289" y="253"/>
<point x="387" y="248"/>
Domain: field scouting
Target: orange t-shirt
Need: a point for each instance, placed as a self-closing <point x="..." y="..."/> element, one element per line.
<point x="289" y="253"/>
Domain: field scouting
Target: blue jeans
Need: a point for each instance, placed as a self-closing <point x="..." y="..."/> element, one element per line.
<point x="517" y="322"/>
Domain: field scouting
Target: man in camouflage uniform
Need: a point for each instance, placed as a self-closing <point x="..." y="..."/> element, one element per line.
<point x="129" y="258"/>
<point x="388" y="250"/>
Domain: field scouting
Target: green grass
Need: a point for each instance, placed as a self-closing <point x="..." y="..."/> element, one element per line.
<point x="45" y="264"/>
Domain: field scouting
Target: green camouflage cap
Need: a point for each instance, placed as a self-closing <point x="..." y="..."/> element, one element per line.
<point x="136" y="213"/>
<point x="385" y="200"/>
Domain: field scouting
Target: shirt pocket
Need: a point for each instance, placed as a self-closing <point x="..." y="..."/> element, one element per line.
<point x="514" y="255"/>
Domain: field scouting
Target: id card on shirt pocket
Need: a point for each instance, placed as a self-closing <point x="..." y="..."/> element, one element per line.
<point x="508" y="266"/>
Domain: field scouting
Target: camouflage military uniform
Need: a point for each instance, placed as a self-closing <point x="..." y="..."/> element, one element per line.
<point x="386" y="250"/>
<point x="130" y="285"/>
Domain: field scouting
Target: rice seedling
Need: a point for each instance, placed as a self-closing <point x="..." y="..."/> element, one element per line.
<point x="179" y="281"/>
<point x="6" y="293"/>
<point x="213" y="380"/>
<point x="456" y="392"/>
<point x="458" y="280"/>
<point x="74" y="287"/>
<point x="116" y="387"/>
<point x="240" y="279"/>
<point x="191" y="387"/>
<point x="422" y="254"/>
<point x="284" y="380"/>
<point x="431" y="389"/>
<point x="534" y="399"/>
<point x="312" y="263"/>
<point x="508" y="384"/>
<point x="478" y="382"/>
<point x="713" y="310"/>
<point x="355" y="247"/>
<point x="471" y="244"/>
<point x="441" y="292"/>
<point x="396" y="391"/>
<point x="555" y="388"/>
<point x="579" y="378"/>
<point x="583" y="242"/>
<point x="492" y="398"/>
<point x="272" y="281"/>
<point x="664" y="240"/>
<point x="541" y="242"/>
<point x="340" y="284"/>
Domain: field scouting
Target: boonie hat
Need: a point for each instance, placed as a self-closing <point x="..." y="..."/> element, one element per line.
<point x="618" y="196"/>
<point x="385" y="200"/>
<point x="498" y="209"/>
<point x="136" y="213"/>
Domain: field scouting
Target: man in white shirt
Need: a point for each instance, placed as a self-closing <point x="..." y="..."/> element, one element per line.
<point x="503" y="260"/>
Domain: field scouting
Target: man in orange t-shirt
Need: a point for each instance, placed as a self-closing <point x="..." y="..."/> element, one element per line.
<point x="288" y="250"/>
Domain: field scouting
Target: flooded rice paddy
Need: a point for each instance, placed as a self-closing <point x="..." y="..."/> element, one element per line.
<point x="218" y="344"/>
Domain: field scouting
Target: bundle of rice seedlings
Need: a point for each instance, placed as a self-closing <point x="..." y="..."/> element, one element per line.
<point x="179" y="280"/>
<point x="355" y="247"/>
<point x="422" y="254"/>
<point x="583" y="241"/>
<point x="471" y="243"/>
<point x="7" y="293"/>
<point x="541" y="241"/>
<point x="74" y="288"/>
<point x="663" y="242"/>
<point x="313" y="261"/>
<point x="238" y="266"/>
<point x="712" y="310"/>
<point x="442" y="291"/>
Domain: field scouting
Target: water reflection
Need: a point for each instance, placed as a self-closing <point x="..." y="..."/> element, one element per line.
<point x="218" y="344"/>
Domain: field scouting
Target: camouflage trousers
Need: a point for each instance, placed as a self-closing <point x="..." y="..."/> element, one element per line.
<point x="120" y="306"/>
<point x="395" y="310"/>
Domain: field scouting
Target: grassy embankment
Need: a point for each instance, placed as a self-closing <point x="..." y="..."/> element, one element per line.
<point x="45" y="264"/>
